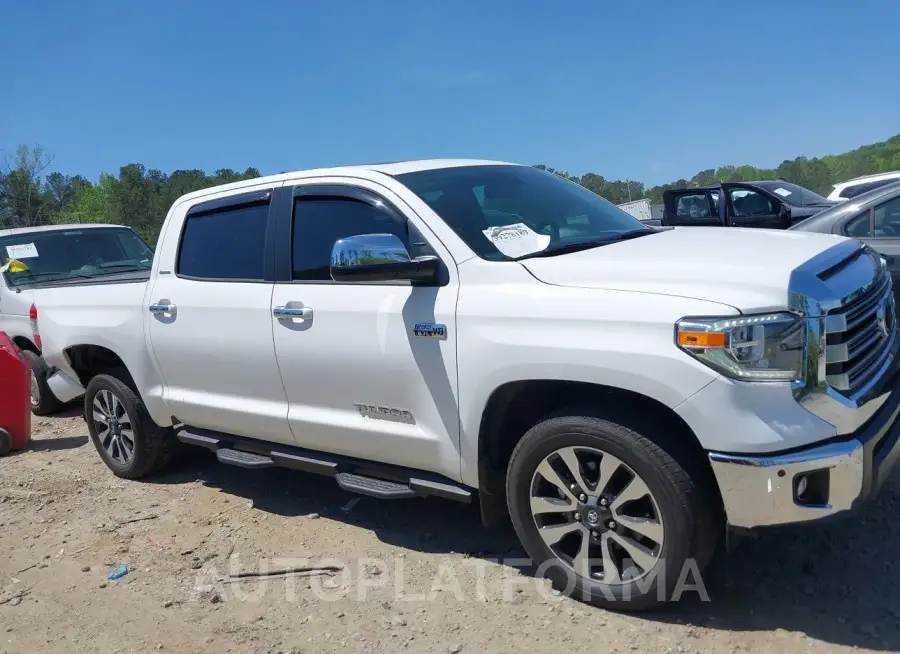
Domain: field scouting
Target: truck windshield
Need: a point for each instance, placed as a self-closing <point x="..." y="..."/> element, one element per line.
<point x="506" y="212"/>
<point x="61" y="254"/>
<point x="793" y="194"/>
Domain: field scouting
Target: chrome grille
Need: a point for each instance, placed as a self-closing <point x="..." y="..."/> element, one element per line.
<point x="858" y="337"/>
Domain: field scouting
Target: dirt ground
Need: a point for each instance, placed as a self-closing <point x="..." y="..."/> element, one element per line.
<point x="415" y="576"/>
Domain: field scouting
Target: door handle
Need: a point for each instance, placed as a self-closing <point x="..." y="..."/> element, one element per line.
<point x="162" y="308"/>
<point x="286" y="312"/>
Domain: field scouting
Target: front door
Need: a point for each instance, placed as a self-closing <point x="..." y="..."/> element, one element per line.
<point x="361" y="379"/>
<point x="210" y="321"/>
<point x="747" y="206"/>
<point x="691" y="207"/>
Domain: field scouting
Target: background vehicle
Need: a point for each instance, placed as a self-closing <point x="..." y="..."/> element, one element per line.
<point x="60" y="255"/>
<point x="640" y="209"/>
<point x="859" y="185"/>
<point x="873" y="218"/>
<point x="624" y="393"/>
<point x="773" y="204"/>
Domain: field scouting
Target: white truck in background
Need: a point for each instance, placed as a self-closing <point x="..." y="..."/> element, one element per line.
<point x="54" y="256"/>
<point x="485" y="331"/>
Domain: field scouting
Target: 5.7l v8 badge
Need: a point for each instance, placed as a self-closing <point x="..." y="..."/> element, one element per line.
<point x="430" y="330"/>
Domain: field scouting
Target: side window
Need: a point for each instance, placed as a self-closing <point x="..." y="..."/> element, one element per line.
<point x="851" y="191"/>
<point x="860" y="227"/>
<point x="886" y="219"/>
<point x="746" y="202"/>
<point x="859" y="189"/>
<point x="693" y="205"/>
<point x="320" y="221"/>
<point x="227" y="244"/>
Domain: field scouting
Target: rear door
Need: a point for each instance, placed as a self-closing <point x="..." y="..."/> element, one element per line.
<point x="210" y="323"/>
<point x="691" y="207"/>
<point x="748" y="206"/>
<point x="879" y="227"/>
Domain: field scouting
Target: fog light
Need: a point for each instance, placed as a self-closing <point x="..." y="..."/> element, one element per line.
<point x="802" y="484"/>
<point x="812" y="488"/>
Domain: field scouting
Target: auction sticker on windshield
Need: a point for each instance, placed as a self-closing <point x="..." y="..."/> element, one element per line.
<point x="22" y="251"/>
<point x="516" y="240"/>
<point x="783" y="192"/>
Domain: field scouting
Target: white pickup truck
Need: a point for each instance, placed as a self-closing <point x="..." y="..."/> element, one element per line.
<point x="53" y="256"/>
<point x="472" y="329"/>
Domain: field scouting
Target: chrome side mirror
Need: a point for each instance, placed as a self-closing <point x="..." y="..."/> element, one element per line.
<point x="378" y="258"/>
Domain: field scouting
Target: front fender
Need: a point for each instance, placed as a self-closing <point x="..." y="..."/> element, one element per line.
<point x="617" y="339"/>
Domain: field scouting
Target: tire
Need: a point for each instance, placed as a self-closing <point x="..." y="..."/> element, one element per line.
<point x="676" y="514"/>
<point x="149" y="449"/>
<point x="43" y="401"/>
<point x="5" y="442"/>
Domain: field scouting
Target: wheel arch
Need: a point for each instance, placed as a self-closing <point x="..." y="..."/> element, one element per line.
<point x="26" y="344"/>
<point x="514" y="407"/>
<point x="88" y="361"/>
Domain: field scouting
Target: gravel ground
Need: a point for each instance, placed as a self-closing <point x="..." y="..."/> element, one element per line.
<point x="416" y="576"/>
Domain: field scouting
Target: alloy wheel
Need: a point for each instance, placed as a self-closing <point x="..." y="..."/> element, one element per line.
<point x="114" y="429"/>
<point x="596" y="515"/>
<point x="35" y="391"/>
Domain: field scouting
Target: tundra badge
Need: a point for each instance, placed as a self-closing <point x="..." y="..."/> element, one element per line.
<point x="385" y="413"/>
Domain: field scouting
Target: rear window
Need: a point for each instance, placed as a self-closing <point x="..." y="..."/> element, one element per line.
<point x="55" y="255"/>
<point x="225" y="245"/>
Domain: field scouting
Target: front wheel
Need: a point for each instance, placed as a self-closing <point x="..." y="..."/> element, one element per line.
<point x="606" y="514"/>
<point x="127" y="439"/>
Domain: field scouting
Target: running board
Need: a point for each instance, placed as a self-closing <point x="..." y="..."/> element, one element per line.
<point x="380" y="488"/>
<point x="243" y="459"/>
<point x="354" y="475"/>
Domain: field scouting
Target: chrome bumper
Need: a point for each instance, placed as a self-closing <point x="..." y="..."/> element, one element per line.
<point x="763" y="490"/>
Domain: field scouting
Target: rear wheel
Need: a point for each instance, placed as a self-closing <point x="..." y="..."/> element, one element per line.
<point x="43" y="401"/>
<point x="127" y="439"/>
<point x="605" y="513"/>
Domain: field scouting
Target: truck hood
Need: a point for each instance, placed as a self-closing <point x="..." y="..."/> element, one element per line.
<point x="748" y="269"/>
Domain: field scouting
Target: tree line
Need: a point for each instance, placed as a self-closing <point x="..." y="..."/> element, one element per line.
<point x="31" y="195"/>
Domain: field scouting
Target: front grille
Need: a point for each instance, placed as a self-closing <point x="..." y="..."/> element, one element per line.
<point x="858" y="337"/>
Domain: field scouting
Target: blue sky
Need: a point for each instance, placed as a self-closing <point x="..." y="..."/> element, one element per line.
<point x="650" y="90"/>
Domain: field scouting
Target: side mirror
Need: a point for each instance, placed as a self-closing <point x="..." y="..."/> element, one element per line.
<point x="785" y="211"/>
<point x="379" y="258"/>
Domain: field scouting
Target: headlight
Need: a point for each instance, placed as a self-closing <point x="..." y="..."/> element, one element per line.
<point x="751" y="348"/>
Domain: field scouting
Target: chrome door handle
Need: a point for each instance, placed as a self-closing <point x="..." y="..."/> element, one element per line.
<point x="162" y="308"/>
<point x="285" y="312"/>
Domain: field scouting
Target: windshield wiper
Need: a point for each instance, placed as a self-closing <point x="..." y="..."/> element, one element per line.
<point x="28" y="275"/>
<point x="128" y="266"/>
<point x="587" y="245"/>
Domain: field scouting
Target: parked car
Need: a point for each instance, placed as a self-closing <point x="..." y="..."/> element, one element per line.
<point x="873" y="218"/>
<point x="55" y="256"/>
<point x="623" y="393"/>
<point x="773" y="204"/>
<point x="859" y="185"/>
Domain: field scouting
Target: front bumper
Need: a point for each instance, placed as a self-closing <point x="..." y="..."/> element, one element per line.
<point x="763" y="490"/>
